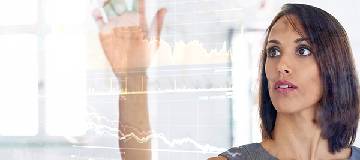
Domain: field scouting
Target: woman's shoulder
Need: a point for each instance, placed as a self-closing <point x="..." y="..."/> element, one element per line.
<point x="355" y="153"/>
<point x="256" y="151"/>
<point x="249" y="151"/>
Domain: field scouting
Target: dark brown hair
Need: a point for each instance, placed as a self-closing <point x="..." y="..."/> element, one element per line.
<point x="338" y="113"/>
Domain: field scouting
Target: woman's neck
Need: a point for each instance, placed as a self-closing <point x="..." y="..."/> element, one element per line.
<point x="297" y="136"/>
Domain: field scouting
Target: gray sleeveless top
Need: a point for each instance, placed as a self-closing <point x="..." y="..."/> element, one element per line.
<point x="255" y="151"/>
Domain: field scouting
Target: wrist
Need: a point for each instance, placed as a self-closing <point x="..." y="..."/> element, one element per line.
<point x="133" y="82"/>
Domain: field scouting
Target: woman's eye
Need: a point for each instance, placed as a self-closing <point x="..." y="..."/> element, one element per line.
<point x="304" y="51"/>
<point x="273" y="51"/>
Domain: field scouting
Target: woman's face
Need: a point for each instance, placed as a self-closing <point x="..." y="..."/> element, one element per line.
<point x="291" y="69"/>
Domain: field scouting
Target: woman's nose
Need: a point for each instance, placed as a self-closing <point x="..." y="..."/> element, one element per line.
<point x="284" y="69"/>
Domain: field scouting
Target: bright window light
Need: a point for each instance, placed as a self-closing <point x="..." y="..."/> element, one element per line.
<point x="19" y="85"/>
<point x="65" y="77"/>
<point x="67" y="12"/>
<point x="19" y="12"/>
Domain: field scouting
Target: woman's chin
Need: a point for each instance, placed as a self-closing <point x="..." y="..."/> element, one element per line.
<point x="288" y="109"/>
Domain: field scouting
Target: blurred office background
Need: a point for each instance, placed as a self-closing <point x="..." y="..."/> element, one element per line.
<point x="59" y="96"/>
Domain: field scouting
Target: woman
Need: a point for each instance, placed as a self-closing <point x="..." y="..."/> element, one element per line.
<point x="309" y="106"/>
<point x="308" y="101"/>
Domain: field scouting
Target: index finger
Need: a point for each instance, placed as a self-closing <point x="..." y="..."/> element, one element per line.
<point x="142" y="13"/>
<point x="141" y="5"/>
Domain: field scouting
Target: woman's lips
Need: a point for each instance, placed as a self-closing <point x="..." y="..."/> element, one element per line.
<point x="284" y="86"/>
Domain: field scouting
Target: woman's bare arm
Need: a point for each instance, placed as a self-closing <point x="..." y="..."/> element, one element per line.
<point x="217" y="158"/>
<point x="126" y="44"/>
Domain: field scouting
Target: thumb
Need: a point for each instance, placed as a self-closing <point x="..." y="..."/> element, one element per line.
<point x="99" y="19"/>
<point x="157" y="23"/>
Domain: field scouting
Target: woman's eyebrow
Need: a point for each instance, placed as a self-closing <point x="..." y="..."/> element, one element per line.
<point x="273" y="41"/>
<point x="301" y="40"/>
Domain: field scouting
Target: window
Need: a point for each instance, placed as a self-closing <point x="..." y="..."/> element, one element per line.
<point x="18" y="66"/>
<point x="43" y="65"/>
